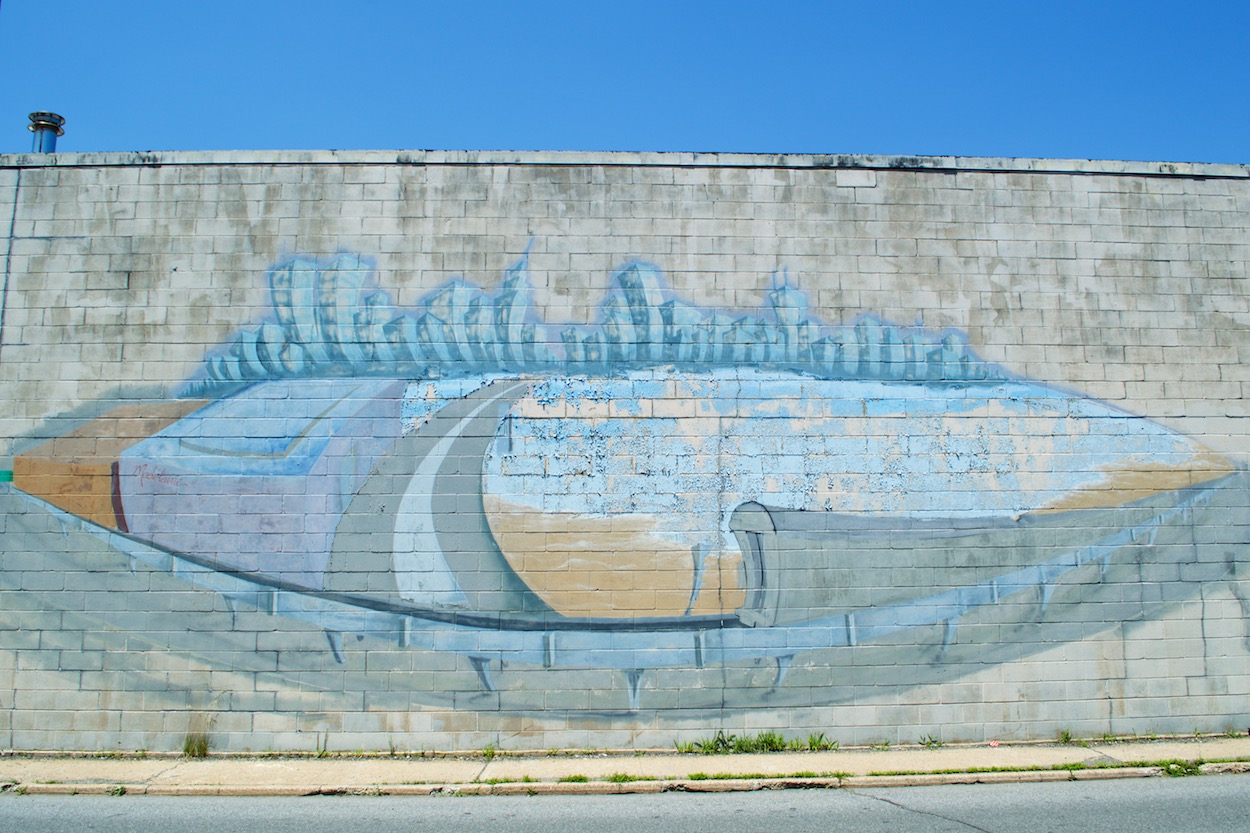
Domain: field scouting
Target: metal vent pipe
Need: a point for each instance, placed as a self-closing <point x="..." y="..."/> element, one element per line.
<point x="46" y="127"/>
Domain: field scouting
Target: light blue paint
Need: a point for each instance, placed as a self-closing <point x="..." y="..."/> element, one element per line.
<point x="257" y="481"/>
<point x="424" y="398"/>
<point x="789" y="441"/>
<point x="707" y="410"/>
<point x="330" y="320"/>
<point x="616" y="646"/>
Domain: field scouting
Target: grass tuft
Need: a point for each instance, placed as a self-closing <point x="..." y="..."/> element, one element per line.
<point x="770" y="742"/>
<point x="195" y="745"/>
<point x="817" y="742"/>
<point x="767" y="741"/>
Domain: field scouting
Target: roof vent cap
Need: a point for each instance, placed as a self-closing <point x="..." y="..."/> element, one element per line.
<point x="46" y="127"/>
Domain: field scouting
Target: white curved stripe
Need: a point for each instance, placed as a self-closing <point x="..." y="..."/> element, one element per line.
<point x="421" y="571"/>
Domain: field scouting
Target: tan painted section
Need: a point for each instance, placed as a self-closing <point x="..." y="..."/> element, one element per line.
<point x="583" y="565"/>
<point x="721" y="591"/>
<point x="1122" y="486"/>
<point x="75" y="472"/>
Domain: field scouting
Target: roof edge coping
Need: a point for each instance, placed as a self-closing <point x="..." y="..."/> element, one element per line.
<point x="952" y="164"/>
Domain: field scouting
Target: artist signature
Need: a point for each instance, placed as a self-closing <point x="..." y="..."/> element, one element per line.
<point x="146" y="475"/>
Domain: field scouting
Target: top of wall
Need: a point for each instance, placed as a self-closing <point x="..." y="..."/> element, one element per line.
<point x="625" y="159"/>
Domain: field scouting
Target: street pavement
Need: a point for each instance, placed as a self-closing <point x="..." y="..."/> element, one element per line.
<point x="615" y="771"/>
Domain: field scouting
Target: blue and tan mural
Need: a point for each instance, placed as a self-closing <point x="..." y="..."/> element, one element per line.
<point x="668" y="487"/>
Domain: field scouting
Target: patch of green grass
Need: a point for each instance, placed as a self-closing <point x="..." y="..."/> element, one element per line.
<point x="817" y="742"/>
<point x="882" y="746"/>
<point x="489" y="751"/>
<point x="117" y="790"/>
<point x="723" y="743"/>
<point x="770" y="742"/>
<point x="766" y="741"/>
<point x="1064" y="736"/>
<point x="1179" y="769"/>
<point x="195" y="745"/>
<point x="719" y="744"/>
<point x="493" y="781"/>
<point x="931" y="742"/>
<point x="574" y="779"/>
<point x="1174" y="766"/>
<point x="622" y="778"/>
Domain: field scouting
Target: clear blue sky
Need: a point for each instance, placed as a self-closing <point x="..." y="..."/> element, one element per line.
<point x="1053" y="78"/>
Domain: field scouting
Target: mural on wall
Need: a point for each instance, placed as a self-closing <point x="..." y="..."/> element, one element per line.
<point x="670" y="486"/>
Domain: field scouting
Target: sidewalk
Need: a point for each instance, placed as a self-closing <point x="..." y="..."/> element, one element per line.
<point x="616" y="772"/>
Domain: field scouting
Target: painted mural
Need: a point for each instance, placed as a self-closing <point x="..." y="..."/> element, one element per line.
<point x="667" y="487"/>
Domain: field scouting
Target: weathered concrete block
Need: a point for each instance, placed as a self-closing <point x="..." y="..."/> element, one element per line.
<point x="550" y="556"/>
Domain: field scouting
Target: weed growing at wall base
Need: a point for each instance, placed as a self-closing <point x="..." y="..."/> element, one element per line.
<point x="767" y="741"/>
<point x="819" y="743"/>
<point x="195" y="745"/>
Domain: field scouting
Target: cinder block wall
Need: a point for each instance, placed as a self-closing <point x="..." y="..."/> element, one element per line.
<point x="439" y="450"/>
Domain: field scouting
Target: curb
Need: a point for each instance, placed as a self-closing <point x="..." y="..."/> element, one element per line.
<point x="534" y="788"/>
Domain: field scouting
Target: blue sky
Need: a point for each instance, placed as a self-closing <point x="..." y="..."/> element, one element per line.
<point x="1116" y="80"/>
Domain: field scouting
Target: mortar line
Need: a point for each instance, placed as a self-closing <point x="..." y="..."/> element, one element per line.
<point x="8" y="259"/>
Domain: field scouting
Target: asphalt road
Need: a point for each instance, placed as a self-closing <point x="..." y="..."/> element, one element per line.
<point x="1167" y="805"/>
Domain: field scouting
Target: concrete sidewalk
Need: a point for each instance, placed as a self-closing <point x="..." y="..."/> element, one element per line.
<point x="619" y="772"/>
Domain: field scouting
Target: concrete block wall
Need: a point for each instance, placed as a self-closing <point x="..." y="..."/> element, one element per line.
<point x="433" y="450"/>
